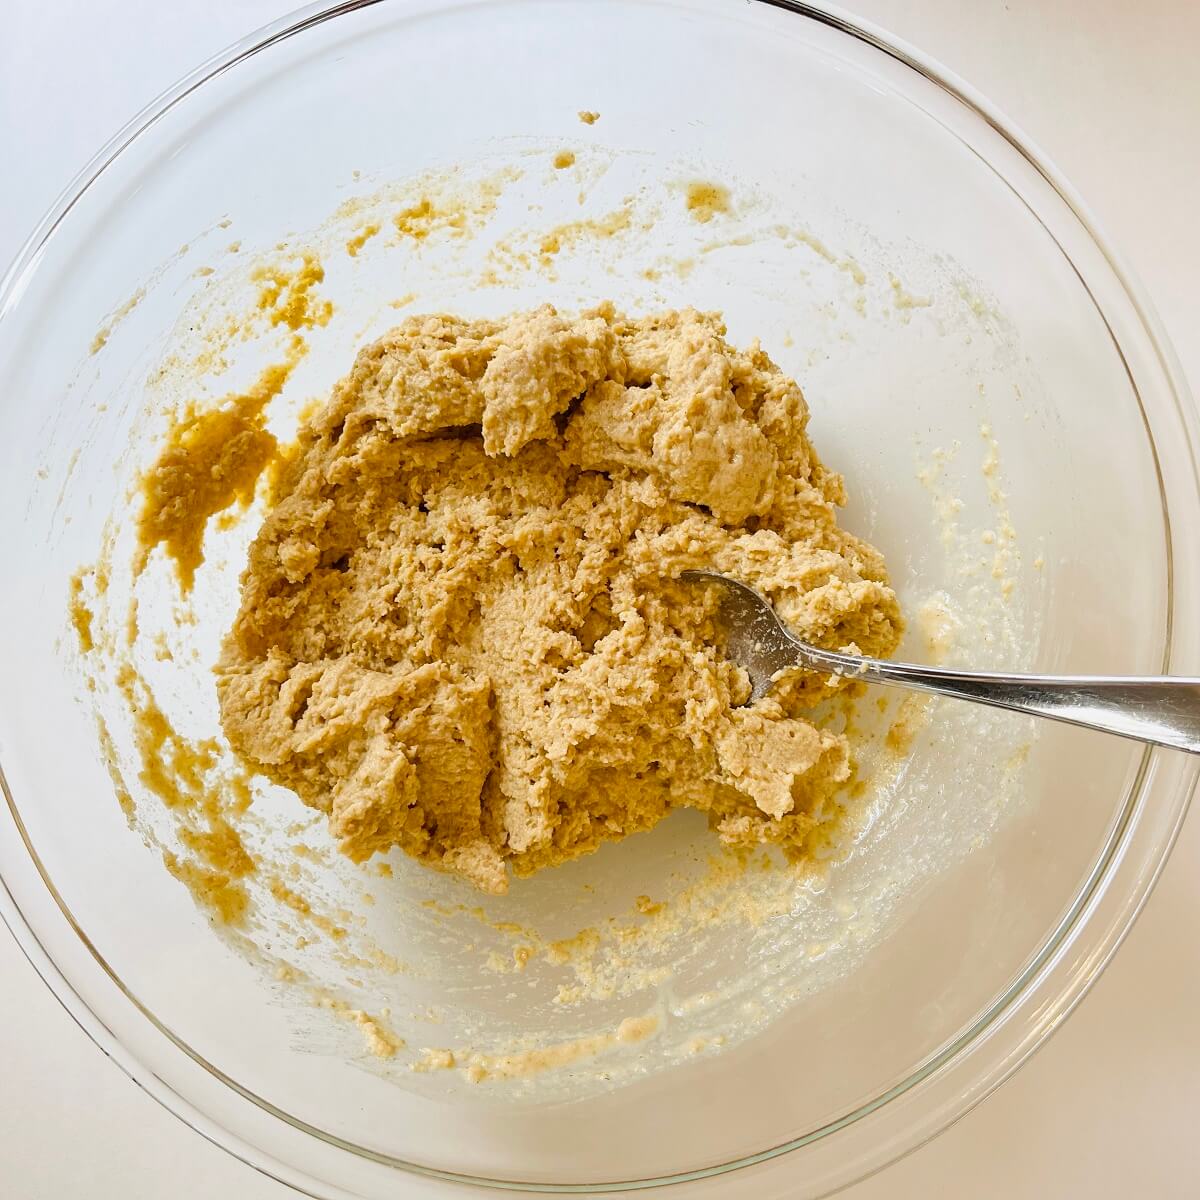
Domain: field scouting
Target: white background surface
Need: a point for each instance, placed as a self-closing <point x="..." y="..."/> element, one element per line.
<point x="1110" y="90"/>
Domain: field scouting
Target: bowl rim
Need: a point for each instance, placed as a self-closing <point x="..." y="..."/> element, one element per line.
<point x="1042" y="971"/>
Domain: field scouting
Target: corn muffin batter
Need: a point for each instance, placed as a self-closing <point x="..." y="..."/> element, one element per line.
<point x="460" y="631"/>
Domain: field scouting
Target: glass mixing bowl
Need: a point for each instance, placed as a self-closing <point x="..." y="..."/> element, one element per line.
<point x="1016" y="438"/>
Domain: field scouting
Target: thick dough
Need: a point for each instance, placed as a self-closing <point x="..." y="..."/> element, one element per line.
<point x="460" y="632"/>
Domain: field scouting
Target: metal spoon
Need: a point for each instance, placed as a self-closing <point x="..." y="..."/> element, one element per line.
<point x="1161" y="709"/>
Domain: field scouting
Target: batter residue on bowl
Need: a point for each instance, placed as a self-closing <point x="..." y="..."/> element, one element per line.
<point x="416" y="976"/>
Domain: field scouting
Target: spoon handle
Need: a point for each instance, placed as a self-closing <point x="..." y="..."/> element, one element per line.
<point x="1161" y="709"/>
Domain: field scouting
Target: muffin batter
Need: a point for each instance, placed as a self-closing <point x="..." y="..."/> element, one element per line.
<point x="460" y="631"/>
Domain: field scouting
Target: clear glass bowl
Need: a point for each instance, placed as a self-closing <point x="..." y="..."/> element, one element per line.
<point x="1015" y="434"/>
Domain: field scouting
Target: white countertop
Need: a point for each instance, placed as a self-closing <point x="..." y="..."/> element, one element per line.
<point x="1111" y="91"/>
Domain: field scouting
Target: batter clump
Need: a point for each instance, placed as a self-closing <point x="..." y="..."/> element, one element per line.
<point x="460" y="631"/>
